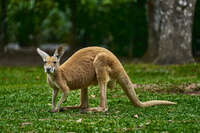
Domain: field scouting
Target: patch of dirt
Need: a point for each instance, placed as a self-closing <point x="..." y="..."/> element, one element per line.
<point x="189" y="89"/>
<point x="195" y="93"/>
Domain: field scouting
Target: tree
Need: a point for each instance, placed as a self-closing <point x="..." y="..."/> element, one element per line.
<point x="73" y="7"/>
<point x="3" y="40"/>
<point x="172" y="29"/>
<point x="153" y="18"/>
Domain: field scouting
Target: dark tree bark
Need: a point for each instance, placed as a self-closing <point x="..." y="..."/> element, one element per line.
<point x="175" y="40"/>
<point x="130" y="52"/>
<point x="3" y="39"/>
<point x="153" y="18"/>
<point x="73" y="37"/>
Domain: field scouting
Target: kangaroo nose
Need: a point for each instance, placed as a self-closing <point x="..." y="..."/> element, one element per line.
<point x="48" y="69"/>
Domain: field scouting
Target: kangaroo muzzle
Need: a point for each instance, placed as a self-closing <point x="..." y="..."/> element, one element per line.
<point x="49" y="70"/>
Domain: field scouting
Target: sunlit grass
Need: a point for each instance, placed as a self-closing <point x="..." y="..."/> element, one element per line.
<point x="25" y="101"/>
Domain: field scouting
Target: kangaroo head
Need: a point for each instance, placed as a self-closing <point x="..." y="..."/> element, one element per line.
<point x="51" y="63"/>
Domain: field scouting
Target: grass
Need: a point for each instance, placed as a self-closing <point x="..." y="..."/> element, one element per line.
<point x="25" y="101"/>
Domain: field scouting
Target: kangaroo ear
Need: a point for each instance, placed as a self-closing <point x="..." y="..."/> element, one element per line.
<point x="42" y="54"/>
<point x="59" y="52"/>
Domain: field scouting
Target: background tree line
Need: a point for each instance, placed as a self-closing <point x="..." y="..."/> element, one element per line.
<point x="133" y="28"/>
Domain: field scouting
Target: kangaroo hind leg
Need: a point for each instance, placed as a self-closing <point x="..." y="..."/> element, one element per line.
<point x="102" y="75"/>
<point x="83" y="100"/>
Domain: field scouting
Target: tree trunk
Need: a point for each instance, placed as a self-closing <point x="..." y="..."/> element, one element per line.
<point x="175" y="40"/>
<point x="73" y="37"/>
<point x="153" y="18"/>
<point x="3" y="39"/>
<point x="130" y="52"/>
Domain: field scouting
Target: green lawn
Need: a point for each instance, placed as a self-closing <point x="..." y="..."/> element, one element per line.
<point x="25" y="100"/>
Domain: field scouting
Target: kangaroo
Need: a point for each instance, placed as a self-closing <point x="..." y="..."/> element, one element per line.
<point x="88" y="66"/>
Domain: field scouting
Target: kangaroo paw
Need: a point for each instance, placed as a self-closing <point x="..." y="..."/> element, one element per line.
<point x="95" y="109"/>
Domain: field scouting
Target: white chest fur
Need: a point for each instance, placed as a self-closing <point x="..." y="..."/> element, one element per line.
<point x="51" y="81"/>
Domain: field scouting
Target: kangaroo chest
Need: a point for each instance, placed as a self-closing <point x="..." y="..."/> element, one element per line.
<point x="52" y="82"/>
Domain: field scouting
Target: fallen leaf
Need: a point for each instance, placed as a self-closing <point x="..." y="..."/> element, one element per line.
<point x="124" y="129"/>
<point x="136" y="116"/>
<point x="117" y="112"/>
<point x="25" y="123"/>
<point x="92" y="123"/>
<point x="43" y="119"/>
<point x="79" y="120"/>
<point x="93" y="96"/>
<point x="147" y="123"/>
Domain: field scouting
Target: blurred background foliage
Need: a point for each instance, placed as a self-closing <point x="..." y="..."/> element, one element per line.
<point x="120" y="25"/>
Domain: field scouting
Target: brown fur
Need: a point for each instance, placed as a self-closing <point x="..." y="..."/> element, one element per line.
<point x="89" y="66"/>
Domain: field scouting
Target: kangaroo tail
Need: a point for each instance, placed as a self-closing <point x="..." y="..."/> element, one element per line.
<point x="128" y="88"/>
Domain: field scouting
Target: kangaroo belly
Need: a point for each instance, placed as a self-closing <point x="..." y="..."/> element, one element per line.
<point x="81" y="80"/>
<point x="80" y="74"/>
